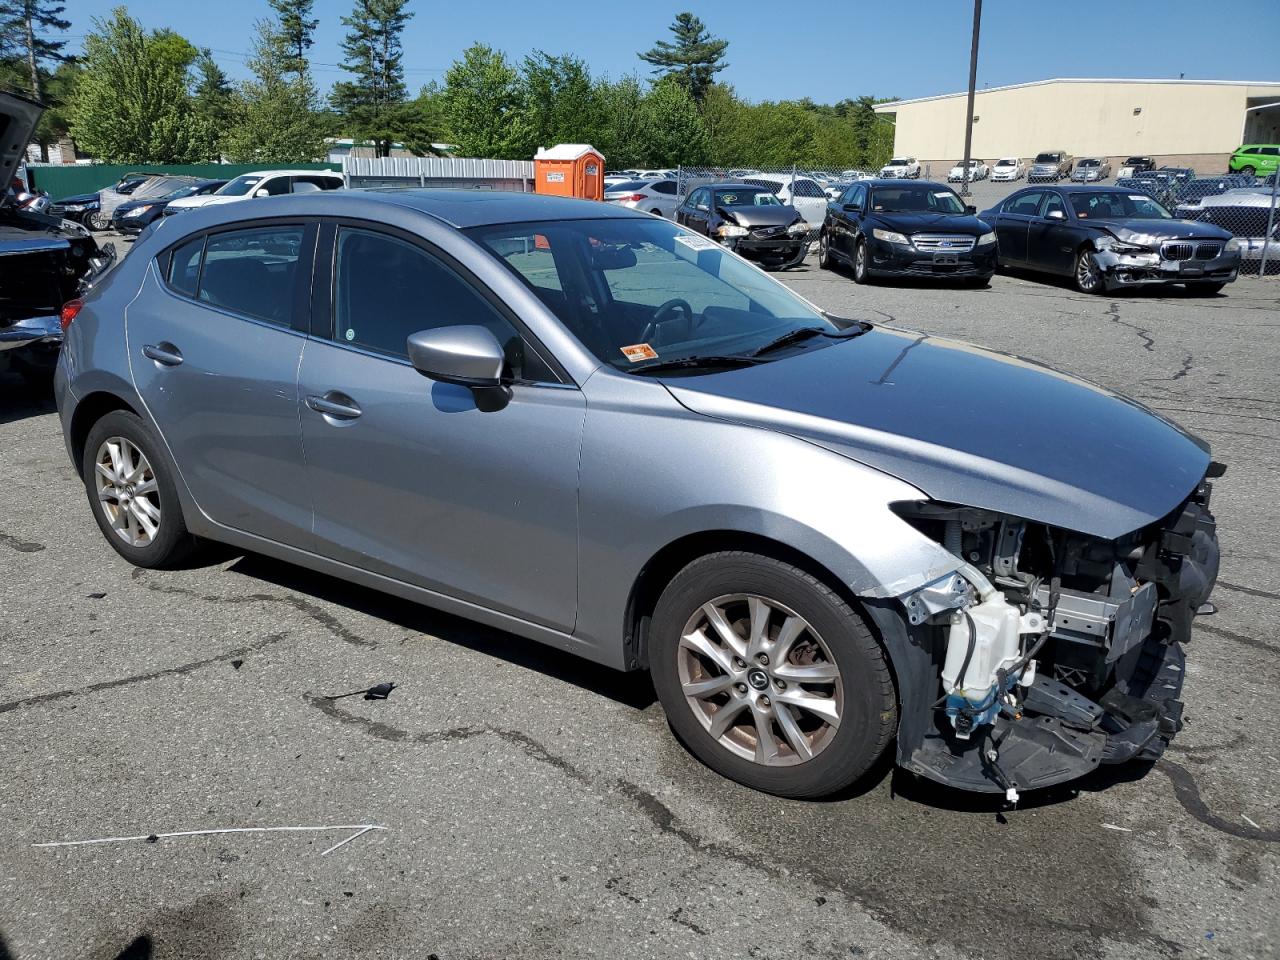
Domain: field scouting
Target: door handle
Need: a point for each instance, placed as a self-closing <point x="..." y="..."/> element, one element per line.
<point x="336" y="405"/>
<point x="164" y="352"/>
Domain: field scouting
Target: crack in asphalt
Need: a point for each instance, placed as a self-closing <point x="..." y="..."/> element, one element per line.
<point x="321" y="616"/>
<point x="1187" y="791"/>
<point x="1148" y="341"/>
<point x="1255" y="642"/>
<point x="17" y="543"/>
<point x="665" y="821"/>
<point x="1251" y="591"/>
<point x="180" y="670"/>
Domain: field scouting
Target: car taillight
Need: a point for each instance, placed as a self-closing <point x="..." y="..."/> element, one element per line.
<point x="635" y="197"/>
<point x="69" y="311"/>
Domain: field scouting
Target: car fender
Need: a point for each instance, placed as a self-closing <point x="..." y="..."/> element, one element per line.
<point x="653" y="473"/>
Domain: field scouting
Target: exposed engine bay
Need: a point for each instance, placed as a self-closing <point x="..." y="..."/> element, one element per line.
<point x="1053" y="651"/>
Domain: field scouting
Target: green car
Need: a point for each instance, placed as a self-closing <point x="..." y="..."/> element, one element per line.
<point x="1255" y="159"/>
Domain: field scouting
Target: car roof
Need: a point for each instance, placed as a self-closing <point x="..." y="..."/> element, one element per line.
<point x="894" y="182"/>
<point x="291" y="173"/>
<point x="458" y="208"/>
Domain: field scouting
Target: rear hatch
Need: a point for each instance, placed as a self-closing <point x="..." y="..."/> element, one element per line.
<point x="18" y="119"/>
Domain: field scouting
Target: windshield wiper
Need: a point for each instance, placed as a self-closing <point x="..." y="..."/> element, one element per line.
<point x="685" y="363"/>
<point x="804" y="333"/>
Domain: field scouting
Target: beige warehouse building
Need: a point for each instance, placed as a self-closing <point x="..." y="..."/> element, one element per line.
<point x="1195" y="123"/>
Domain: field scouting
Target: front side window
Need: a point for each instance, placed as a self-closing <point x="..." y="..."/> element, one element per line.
<point x="639" y="291"/>
<point x="385" y="289"/>
<point x="1052" y="203"/>
<point x="1108" y="205"/>
<point x="253" y="272"/>
<point x="699" y="200"/>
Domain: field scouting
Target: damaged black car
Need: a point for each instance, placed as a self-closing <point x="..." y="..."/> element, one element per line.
<point x="750" y="220"/>
<point x="45" y="261"/>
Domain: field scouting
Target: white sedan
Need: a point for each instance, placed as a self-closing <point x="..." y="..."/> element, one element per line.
<point x="1010" y="168"/>
<point x="977" y="171"/>
<point x="656" y="196"/>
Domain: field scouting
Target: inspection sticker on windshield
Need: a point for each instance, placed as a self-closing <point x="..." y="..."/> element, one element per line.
<point x="639" y="351"/>
<point x="694" y="242"/>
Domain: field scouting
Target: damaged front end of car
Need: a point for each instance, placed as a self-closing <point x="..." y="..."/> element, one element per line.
<point x="1048" y="653"/>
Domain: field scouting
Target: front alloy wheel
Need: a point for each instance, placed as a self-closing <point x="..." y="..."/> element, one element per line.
<point x="1088" y="274"/>
<point x="760" y="680"/>
<point x="824" y="251"/>
<point x="769" y="676"/>
<point x="860" y="262"/>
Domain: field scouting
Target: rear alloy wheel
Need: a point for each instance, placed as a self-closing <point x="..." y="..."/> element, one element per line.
<point x="1088" y="275"/>
<point x="860" y="274"/>
<point x="769" y="677"/>
<point x="131" y="492"/>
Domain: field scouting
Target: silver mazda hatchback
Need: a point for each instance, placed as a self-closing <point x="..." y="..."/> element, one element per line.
<point x="595" y="429"/>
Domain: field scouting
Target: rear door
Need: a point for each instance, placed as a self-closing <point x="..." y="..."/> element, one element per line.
<point x="1012" y="223"/>
<point x="214" y="339"/>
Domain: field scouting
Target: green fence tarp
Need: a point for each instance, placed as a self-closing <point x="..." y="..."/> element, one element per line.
<point x="70" y="180"/>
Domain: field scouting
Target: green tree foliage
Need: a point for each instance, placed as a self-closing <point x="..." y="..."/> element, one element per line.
<point x="422" y="121"/>
<point x="276" y="115"/>
<point x="694" y="59"/>
<point x="131" y="103"/>
<point x="558" y="103"/>
<point x="213" y="97"/>
<point x="26" y="39"/>
<point x="671" y="130"/>
<point x="482" y="101"/>
<point x="619" y="135"/>
<point x="295" y="30"/>
<point x="373" y="104"/>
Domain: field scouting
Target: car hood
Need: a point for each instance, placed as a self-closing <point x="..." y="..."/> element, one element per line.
<point x="188" y="203"/>
<point x="1138" y="230"/>
<point x="773" y="216"/>
<point x="968" y="426"/>
<point x="18" y="119"/>
<point x="78" y="198"/>
<point x="924" y="222"/>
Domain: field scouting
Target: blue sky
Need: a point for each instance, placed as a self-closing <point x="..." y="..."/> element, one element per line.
<point x="781" y="51"/>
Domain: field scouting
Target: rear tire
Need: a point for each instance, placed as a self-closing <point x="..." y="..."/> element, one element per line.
<point x="845" y="676"/>
<point x="132" y="494"/>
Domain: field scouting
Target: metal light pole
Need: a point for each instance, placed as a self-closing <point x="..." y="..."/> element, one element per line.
<point x="973" y="80"/>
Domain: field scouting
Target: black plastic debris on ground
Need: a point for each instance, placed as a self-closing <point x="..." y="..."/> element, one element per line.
<point x="377" y="692"/>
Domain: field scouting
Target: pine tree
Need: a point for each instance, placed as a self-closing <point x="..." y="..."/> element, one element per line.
<point x="373" y="104"/>
<point x="25" y="26"/>
<point x="295" y="30"/>
<point x="213" y="94"/>
<point x="276" y="117"/>
<point x="694" y="59"/>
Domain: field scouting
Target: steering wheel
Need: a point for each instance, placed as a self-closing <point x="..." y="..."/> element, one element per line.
<point x="665" y="314"/>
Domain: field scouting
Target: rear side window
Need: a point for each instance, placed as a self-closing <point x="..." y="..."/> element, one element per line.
<point x="305" y="184"/>
<point x="664" y="186"/>
<point x="184" y="267"/>
<point x="253" y="272"/>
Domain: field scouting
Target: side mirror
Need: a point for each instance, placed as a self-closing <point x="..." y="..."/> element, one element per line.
<point x="970" y="209"/>
<point x="850" y="207"/>
<point x="260" y="192"/>
<point x="470" y="356"/>
<point x="1055" y="215"/>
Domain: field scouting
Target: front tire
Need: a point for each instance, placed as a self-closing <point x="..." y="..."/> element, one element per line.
<point x="860" y="274"/>
<point x="824" y="252"/>
<point x="97" y="222"/>
<point x="131" y="492"/>
<point x="769" y="677"/>
<point x="1088" y="276"/>
<point x="1248" y="171"/>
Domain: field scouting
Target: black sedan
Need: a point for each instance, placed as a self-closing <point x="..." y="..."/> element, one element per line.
<point x="890" y="228"/>
<point x="133" y="216"/>
<point x="750" y="220"/>
<point x="1110" y="237"/>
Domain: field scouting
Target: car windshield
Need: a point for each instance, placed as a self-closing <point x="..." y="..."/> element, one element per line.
<point x="921" y="199"/>
<point x="746" y="197"/>
<point x="898" y="163"/>
<point x="1136" y="161"/>
<point x="1006" y="163"/>
<point x="1047" y="158"/>
<point x="239" y="186"/>
<point x="1106" y="205"/>
<point x="640" y="291"/>
<point x="1088" y="163"/>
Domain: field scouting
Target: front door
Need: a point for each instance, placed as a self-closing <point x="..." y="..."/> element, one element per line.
<point x="214" y="342"/>
<point x="410" y="478"/>
<point x="1050" y="237"/>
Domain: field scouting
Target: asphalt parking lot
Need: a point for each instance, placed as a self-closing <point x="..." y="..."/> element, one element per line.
<point x="537" y="806"/>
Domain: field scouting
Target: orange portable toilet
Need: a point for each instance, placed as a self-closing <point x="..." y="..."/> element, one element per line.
<point x="569" y="170"/>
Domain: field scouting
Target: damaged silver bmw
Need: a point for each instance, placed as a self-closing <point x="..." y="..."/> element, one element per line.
<point x="595" y="429"/>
